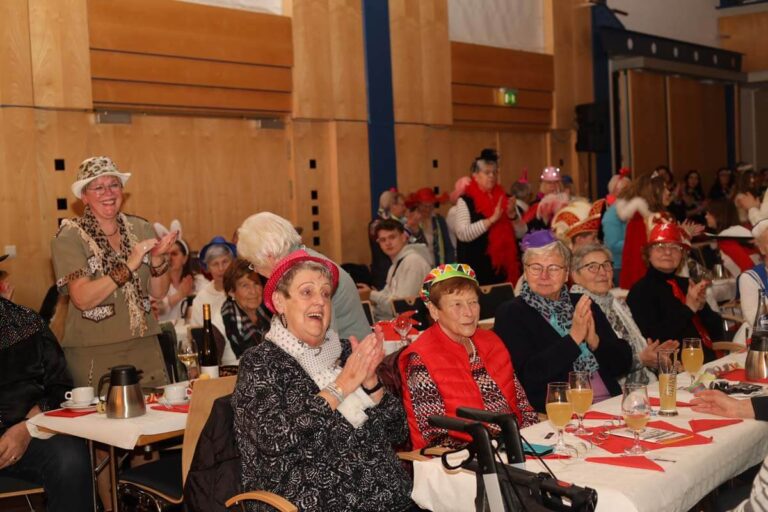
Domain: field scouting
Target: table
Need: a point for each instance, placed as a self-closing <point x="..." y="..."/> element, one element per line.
<point x="125" y="434"/>
<point x="697" y="470"/>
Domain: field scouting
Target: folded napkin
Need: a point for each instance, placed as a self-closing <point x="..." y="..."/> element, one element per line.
<point x="701" y="425"/>
<point x="633" y="461"/>
<point x="172" y="408"/>
<point x="739" y="375"/>
<point x="70" y="413"/>
<point x="617" y="444"/>
<point x="655" y="402"/>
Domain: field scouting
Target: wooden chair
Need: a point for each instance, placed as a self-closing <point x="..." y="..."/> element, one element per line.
<point x="368" y="310"/>
<point x="11" y="487"/>
<point x="491" y="296"/>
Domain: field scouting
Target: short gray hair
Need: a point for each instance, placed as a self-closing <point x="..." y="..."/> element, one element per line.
<point x="285" y="281"/>
<point x="556" y="247"/>
<point x="266" y="235"/>
<point x="584" y="250"/>
<point x="217" y="250"/>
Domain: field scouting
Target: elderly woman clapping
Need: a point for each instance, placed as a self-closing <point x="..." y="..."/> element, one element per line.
<point x="549" y="333"/>
<point x="592" y="272"/>
<point x="453" y="363"/>
<point x="312" y="422"/>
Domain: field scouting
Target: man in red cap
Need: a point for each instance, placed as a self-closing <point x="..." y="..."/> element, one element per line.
<point x="666" y="306"/>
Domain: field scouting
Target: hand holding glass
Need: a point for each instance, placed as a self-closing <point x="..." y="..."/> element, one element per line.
<point x="580" y="395"/>
<point x="636" y="409"/>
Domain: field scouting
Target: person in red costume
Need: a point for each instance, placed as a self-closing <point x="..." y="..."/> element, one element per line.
<point x="453" y="363"/>
<point x="485" y="234"/>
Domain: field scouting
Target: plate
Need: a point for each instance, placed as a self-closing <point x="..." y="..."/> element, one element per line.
<point x="69" y="404"/>
<point x="164" y="400"/>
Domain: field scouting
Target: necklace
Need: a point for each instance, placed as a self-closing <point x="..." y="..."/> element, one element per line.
<point x="474" y="350"/>
<point x="117" y="228"/>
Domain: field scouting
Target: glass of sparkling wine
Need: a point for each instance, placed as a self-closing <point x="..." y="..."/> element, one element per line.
<point x="559" y="412"/>
<point x="580" y="395"/>
<point x="636" y="409"/>
<point x="667" y="382"/>
<point x="692" y="356"/>
<point x="187" y="354"/>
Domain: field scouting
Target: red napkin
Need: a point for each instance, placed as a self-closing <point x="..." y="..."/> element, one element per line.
<point x="172" y="408"/>
<point x="616" y="444"/>
<point x="70" y="413"/>
<point x="739" y="375"/>
<point x="597" y="415"/>
<point x="655" y="402"/>
<point x="701" y="425"/>
<point x="634" y="461"/>
<point x="389" y="332"/>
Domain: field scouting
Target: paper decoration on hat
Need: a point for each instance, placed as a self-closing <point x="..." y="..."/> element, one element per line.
<point x="536" y="239"/>
<point x="443" y="272"/>
<point x="550" y="173"/>
<point x="524" y="177"/>
<point x="577" y="217"/>
<point x="665" y="231"/>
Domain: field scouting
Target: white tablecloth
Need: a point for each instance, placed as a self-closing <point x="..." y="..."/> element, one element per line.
<point x="122" y="433"/>
<point x="696" y="472"/>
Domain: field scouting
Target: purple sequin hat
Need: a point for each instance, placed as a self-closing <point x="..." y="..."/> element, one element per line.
<point x="536" y="239"/>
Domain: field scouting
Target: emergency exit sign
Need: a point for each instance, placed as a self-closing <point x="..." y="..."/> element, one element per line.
<point x="506" y="97"/>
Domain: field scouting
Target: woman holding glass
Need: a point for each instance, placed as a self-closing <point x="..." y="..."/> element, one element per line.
<point x="549" y="332"/>
<point x="453" y="363"/>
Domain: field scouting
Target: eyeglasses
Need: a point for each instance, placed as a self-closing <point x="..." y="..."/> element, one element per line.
<point x="595" y="267"/>
<point x="100" y="190"/>
<point x="537" y="269"/>
<point x="667" y="247"/>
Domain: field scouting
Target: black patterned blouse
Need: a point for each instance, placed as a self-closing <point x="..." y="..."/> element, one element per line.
<point x="292" y="443"/>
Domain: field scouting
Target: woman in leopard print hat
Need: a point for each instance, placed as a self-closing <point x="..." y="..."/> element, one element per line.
<point x="110" y="263"/>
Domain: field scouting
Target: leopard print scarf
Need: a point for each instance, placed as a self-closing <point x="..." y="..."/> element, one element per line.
<point x="105" y="259"/>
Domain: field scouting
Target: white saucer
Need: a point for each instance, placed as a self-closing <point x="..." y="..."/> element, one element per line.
<point x="69" y="404"/>
<point x="164" y="400"/>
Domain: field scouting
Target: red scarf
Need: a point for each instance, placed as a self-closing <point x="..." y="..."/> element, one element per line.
<point x="679" y="295"/>
<point x="502" y="244"/>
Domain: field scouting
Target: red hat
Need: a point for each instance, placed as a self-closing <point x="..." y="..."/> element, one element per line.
<point x="285" y="264"/>
<point x="425" y="195"/>
<point x="665" y="231"/>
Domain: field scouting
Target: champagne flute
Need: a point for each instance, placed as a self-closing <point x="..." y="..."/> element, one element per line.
<point x="402" y="325"/>
<point x="580" y="395"/>
<point x="187" y="354"/>
<point x="692" y="356"/>
<point x="636" y="409"/>
<point x="559" y="412"/>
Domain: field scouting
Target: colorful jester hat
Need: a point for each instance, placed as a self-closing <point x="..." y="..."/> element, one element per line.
<point x="443" y="272"/>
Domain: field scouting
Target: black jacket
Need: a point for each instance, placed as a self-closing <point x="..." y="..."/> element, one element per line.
<point x="660" y="315"/>
<point x="475" y="253"/>
<point x="214" y="474"/>
<point x="32" y="372"/>
<point x="540" y="355"/>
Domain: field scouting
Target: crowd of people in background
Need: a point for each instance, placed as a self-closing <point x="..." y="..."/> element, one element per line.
<point x="656" y="234"/>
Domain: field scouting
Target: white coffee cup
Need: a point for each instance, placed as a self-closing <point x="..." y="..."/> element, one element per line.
<point x="176" y="392"/>
<point x="82" y="395"/>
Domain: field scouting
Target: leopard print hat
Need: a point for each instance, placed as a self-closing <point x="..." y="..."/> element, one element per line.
<point x="96" y="167"/>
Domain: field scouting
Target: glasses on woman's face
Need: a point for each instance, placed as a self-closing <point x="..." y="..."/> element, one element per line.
<point x="100" y="190"/>
<point x="595" y="267"/>
<point x="667" y="247"/>
<point x="536" y="269"/>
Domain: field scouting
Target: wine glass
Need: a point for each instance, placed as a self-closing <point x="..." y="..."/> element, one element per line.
<point x="636" y="409"/>
<point x="580" y="395"/>
<point x="402" y="325"/>
<point x="559" y="412"/>
<point x="692" y="356"/>
<point x="187" y="354"/>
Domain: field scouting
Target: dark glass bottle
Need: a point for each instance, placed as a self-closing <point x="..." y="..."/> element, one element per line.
<point x="209" y="363"/>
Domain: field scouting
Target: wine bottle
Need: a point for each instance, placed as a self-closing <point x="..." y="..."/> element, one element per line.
<point x="209" y="363"/>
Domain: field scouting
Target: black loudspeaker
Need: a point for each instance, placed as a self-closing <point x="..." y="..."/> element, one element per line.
<point x="594" y="128"/>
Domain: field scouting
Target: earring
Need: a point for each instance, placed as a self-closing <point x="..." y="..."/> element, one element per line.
<point x="283" y="320"/>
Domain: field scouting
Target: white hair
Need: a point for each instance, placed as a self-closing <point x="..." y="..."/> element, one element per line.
<point x="265" y="235"/>
<point x="556" y="247"/>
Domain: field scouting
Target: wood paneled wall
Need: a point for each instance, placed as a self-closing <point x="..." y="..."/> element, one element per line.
<point x="477" y="71"/>
<point x="15" y="60"/>
<point x="329" y="62"/>
<point x="745" y="33"/>
<point x="421" y="63"/>
<point x="188" y="58"/>
<point x="648" y="121"/>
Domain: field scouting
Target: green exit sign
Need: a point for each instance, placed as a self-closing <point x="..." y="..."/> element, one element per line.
<point x="506" y="97"/>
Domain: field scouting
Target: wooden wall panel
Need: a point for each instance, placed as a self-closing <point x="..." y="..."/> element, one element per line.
<point x="745" y="33"/>
<point x="329" y="67"/>
<point x="15" y="60"/>
<point x="474" y="64"/>
<point x="648" y="121"/>
<point x="190" y="30"/>
<point x="697" y="134"/>
<point x="486" y="96"/>
<point x="514" y="115"/>
<point x="436" y="62"/>
<point x="518" y="151"/>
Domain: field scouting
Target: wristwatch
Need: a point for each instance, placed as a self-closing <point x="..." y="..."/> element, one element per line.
<point x="374" y="389"/>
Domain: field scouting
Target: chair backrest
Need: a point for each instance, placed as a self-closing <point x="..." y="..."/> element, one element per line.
<point x="368" y="309"/>
<point x="414" y="304"/>
<point x="492" y="296"/>
<point x="204" y="393"/>
<point x="168" y="345"/>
